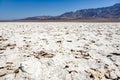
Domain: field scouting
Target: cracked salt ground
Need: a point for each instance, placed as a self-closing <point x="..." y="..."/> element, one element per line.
<point x="60" y="51"/>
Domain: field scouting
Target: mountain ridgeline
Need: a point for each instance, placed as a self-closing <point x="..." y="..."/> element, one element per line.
<point x="111" y="12"/>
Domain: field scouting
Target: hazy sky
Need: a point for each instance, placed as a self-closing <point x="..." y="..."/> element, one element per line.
<point x="15" y="9"/>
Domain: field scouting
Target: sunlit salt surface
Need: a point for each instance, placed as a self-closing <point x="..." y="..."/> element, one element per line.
<point x="59" y="51"/>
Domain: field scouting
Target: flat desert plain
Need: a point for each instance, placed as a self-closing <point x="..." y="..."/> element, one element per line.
<point x="59" y="51"/>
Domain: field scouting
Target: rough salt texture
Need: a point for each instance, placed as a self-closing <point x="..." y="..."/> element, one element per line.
<point x="59" y="51"/>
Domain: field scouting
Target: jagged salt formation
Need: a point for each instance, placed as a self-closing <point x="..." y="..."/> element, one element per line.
<point x="59" y="51"/>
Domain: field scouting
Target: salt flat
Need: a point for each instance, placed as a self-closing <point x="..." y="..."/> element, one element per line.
<point x="59" y="51"/>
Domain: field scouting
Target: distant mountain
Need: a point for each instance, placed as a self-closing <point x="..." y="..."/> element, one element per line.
<point x="38" y="18"/>
<point x="105" y="12"/>
<point x="111" y="12"/>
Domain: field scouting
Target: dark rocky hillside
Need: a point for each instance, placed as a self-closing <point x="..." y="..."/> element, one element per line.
<point x="105" y="12"/>
<point x="111" y="12"/>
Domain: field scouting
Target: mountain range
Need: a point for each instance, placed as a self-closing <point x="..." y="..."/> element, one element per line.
<point x="105" y="13"/>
